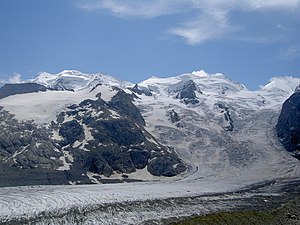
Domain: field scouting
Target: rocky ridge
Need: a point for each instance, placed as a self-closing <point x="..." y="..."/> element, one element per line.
<point x="22" y="88"/>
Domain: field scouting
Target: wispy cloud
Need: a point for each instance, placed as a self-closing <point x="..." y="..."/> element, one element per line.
<point x="271" y="4"/>
<point x="135" y="8"/>
<point x="291" y="52"/>
<point x="208" y="19"/>
<point x="15" y="78"/>
<point x="209" y="25"/>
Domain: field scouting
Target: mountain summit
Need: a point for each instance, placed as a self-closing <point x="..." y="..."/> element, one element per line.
<point x="74" y="80"/>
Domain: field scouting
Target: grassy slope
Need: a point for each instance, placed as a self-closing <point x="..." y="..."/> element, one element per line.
<point x="287" y="214"/>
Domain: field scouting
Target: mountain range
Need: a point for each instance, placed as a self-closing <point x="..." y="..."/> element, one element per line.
<point x="77" y="128"/>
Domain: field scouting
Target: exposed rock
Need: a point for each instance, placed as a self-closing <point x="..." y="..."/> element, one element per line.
<point x="121" y="132"/>
<point x="288" y="125"/>
<point x="139" y="158"/>
<point x="187" y="92"/>
<point x="23" y="88"/>
<point x="227" y="120"/>
<point x="122" y="102"/>
<point x="174" y="116"/>
<point x="25" y="145"/>
<point x="71" y="131"/>
<point x="39" y="155"/>
<point x="97" y="85"/>
<point x="96" y="163"/>
<point x="61" y="117"/>
<point x="166" y="166"/>
<point x="141" y="90"/>
<point x="119" y="161"/>
<point x="119" y="143"/>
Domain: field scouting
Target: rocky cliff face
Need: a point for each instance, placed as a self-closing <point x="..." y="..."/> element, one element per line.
<point x="13" y="89"/>
<point x="187" y="92"/>
<point x="288" y="126"/>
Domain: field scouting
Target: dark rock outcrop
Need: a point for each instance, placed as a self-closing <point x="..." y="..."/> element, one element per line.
<point x="25" y="145"/>
<point x="122" y="102"/>
<point x="71" y="131"/>
<point x="95" y="163"/>
<point x="141" y="90"/>
<point x="122" y="132"/>
<point x="174" y="117"/>
<point x="23" y="88"/>
<point x="139" y="158"/>
<point x="166" y="166"/>
<point x="188" y="94"/>
<point x="288" y="125"/>
<point x="227" y="120"/>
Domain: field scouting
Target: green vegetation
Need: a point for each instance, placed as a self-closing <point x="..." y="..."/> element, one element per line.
<point x="287" y="214"/>
<point x="232" y="218"/>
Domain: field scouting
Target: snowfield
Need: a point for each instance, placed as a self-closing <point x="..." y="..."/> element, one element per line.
<point x="224" y="155"/>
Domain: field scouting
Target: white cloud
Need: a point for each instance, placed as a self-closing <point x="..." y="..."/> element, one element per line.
<point x="211" y="24"/>
<point x="208" y="19"/>
<point x="15" y="78"/>
<point x="135" y="8"/>
<point x="272" y="4"/>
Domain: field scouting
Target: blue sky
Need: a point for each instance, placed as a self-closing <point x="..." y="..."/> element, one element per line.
<point x="249" y="41"/>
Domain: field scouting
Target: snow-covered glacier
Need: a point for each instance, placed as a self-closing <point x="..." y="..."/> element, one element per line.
<point x="222" y="131"/>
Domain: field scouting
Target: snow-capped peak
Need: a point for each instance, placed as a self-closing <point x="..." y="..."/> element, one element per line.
<point x="285" y="84"/>
<point x="76" y="80"/>
<point x="212" y="83"/>
<point x="44" y="78"/>
<point x="69" y="79"/>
